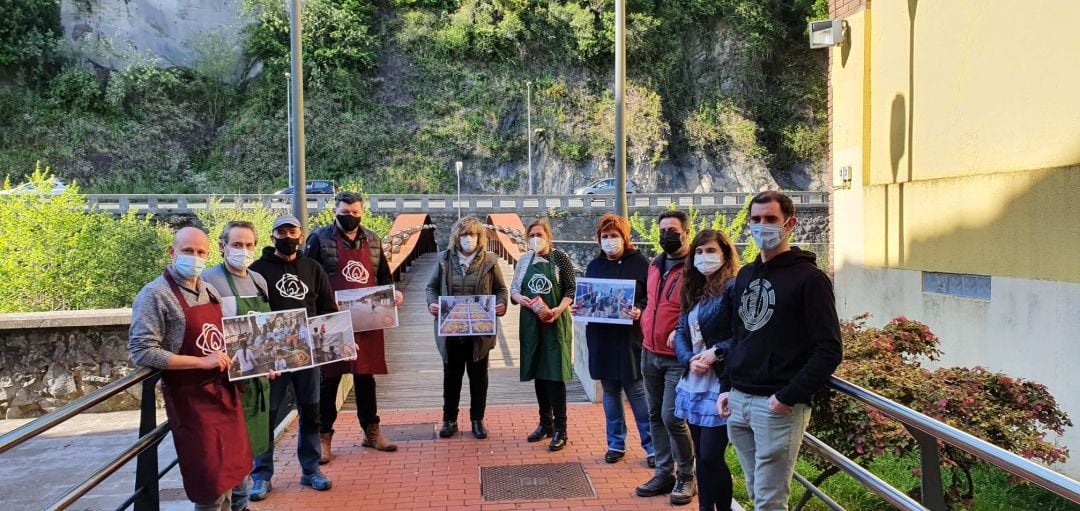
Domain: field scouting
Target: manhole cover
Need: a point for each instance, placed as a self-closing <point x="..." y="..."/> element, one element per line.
<point x="406" y="432"/>
<point x="535" y="482"/>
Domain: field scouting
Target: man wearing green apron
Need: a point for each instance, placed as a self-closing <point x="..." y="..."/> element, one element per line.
<point x="243" y="291"/>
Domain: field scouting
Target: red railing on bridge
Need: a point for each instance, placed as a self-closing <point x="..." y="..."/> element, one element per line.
<point x="411" y="236"/>
<point x="500" y="241"/>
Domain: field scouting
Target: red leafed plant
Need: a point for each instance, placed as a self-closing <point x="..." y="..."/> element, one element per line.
<point x="1012" y="413"/>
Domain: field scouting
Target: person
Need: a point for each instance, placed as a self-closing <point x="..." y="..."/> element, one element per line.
<point x="786" y="346"/>
<point x="353" y="258"/>
<point x="243" y="291"/>
<point x="544" y="283"/>
<point x="466" y="268"/>
<point x="176" y="327"/>
<point x="294" y="282"/>
<point x="615" y="350"/>
<point x="710" y="270"/>
<point x="661" y="370"/>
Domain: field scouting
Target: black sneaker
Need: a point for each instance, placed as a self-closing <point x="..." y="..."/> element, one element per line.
<point x="614" y="456"/>
<point x="448" y="429"/>
<point x="658" y="485"/>
<point x="683" y="492"/>
<point x="541" y="433"/>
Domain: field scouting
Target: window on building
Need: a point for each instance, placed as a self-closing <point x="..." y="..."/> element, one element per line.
<point x="956" y="284"/>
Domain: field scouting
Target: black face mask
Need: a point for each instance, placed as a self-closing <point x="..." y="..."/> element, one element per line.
<point x="287" y="246"/>
<point x="348" y="223"/>
<point x="671" y="242"/>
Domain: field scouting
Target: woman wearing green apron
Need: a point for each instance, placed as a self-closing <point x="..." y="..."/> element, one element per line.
<point x="544" y="283"/>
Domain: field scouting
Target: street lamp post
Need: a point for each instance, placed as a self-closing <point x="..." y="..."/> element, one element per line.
<point x="620" y="106"/>
<point x="288" y="121"/>
<point x="457" y="166"/>
<point x="528" y="109"/>
<point x="296" y="113"/>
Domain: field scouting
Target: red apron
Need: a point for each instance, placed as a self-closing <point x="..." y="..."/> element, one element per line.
<point x="204" y="410"/>
<point x="354" y="271"/>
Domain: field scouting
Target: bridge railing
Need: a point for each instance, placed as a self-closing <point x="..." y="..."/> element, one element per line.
<point x="190" y="203"/>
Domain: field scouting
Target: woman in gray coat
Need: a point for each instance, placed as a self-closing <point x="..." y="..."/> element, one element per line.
<point x="465" y="269"/>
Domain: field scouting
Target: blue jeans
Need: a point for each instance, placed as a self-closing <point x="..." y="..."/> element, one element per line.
<point x="616" y="415"/>
<point x="670" y="434"/>
<point x="305" y="387"/>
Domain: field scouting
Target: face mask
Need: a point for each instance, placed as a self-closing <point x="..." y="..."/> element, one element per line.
<point x="468" y="244"/>
<point x="707" y="264"/>
<point x="611" y="246"/>
<point x="239" y="258"/>
<point x="671" y="242"/>
<point x="348" y="223"/>
<point x="189" y="266"/>
<point x="287" y="246"/>
<point x="537" y="244"/>
<point x="767" y="236"/>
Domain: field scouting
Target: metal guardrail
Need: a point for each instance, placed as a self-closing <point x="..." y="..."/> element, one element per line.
<point x="191" y="203"/>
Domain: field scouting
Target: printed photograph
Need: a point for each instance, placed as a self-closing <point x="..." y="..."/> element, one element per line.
<point x="370" y="308"/>
<point x="261" y="342"/>
<point x="466" y="315"/>
<point x="604" y="301"/>
<point x="332" y="337"/>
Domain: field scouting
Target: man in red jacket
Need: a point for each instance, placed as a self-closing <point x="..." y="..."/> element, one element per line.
<point x="661" y="370"/>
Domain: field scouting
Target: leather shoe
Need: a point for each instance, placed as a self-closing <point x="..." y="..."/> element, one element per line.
<point x="558" y="441"/>
<point x="541" y="433"/>
<point x="478" y="429"/>
<point x="651" y="461"/>
<point x="448" y="429"/>
<point x="658" y="485"/>
<point x="614" y="456"/>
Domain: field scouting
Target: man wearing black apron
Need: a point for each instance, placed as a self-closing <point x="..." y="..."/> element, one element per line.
<point x="243" y="291"/>
<point x="176" y="327"/>
<point x="352" y="256"/>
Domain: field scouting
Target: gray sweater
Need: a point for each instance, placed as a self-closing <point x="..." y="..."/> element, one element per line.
<point x="157" y="319"/>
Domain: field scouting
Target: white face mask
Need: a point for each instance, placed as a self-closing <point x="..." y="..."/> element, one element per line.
<point x="707" y="264"/>
<point x="189" y="266"/>
<point x="468" y="243"/>
<point x="537" y="244"/>
<point x="767" y="236"/>
<point x="239" y="258"/>
<point x="611" y="246"/>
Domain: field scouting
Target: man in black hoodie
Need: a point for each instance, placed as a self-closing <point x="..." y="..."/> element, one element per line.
<point x="294" y="282"/>
<point x="787" y="345"/>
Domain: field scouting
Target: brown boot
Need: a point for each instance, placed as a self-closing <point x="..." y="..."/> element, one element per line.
<point x="374" y="438"/>
<point x="324" y="439"/>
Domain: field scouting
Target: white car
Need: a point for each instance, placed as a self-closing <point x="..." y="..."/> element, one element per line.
<point x="605" y="186"/>
<point x="56" y="187"/>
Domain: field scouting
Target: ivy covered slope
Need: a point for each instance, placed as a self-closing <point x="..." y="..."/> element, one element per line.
<point x="722" y="95"/>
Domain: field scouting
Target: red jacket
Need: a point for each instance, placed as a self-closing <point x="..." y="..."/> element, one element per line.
<point x="661" y="314"/>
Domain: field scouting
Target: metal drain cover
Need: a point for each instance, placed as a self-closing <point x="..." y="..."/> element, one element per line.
<point x="407" y="432"/>
<point x="535" y="482"/>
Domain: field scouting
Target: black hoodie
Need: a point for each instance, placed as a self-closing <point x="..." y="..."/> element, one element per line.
<point x="297" y="284"/>
<point x="785" y="328"/>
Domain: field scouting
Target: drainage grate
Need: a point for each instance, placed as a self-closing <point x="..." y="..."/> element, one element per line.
<point x="535" y="482"/>
<point x="407" y="432"/>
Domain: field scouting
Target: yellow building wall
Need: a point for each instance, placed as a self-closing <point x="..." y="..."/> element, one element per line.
<point x="967" y="160"/>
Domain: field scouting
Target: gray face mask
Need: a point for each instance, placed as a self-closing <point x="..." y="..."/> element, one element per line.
<point x="767" y="236"/>
<point x="468" y="244"/>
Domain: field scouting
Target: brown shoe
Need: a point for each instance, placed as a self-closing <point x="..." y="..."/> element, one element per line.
<point x="374" y="438"/>
<point x="324" y="439"/>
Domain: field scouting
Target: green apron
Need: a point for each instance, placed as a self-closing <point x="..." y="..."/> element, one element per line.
<point x="256" y="391"/>
<point x="545" y="347"/>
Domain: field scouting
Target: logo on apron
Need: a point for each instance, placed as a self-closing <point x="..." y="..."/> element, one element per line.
<point x="539" y="284"/>
<point x="758" y="302"/>
<point x="290" y="286"/>
<point x="355" y="272"/>
<point x="210" y="340"/>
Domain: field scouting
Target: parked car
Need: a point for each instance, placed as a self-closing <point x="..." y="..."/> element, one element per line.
<point x="314" y="187"/>
<point x="56" y="188"/>
<point x="605" y="186"/>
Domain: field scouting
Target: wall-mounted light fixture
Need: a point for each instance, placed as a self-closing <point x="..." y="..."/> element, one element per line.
<point x="845" y="178"/>
<point x="826" y="33"/>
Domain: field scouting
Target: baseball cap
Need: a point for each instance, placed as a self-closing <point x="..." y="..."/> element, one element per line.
<point x="285" y="220"/>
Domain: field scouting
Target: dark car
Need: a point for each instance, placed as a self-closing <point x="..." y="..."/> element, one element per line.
<point x="314" y="187"/>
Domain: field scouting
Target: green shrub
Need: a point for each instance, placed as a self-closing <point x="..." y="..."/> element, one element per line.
<point x="77" y="88"/>
<point x="30" y="35"/>
<point x="648" y="229"/>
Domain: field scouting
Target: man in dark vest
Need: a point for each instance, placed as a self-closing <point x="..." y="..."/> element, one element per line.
<point x="353" y="258"/>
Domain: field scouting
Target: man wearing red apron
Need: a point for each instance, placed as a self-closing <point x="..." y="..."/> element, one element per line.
<point x="352" y="256"/>
<point x="176" y="327"/>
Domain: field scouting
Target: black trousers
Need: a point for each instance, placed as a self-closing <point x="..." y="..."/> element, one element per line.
<point x="459" y="354"/>
<point x="713" y="475"/>
<point x="367" y="410"/>
<point x="551" y="396"/>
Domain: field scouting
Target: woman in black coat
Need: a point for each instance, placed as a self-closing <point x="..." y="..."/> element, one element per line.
<point x="615" y="350"/>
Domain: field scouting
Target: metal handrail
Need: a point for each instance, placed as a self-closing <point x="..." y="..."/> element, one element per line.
<point x="1055" y="482"/>
<point x="862" y="475"/>
<point x="52" y="419"/>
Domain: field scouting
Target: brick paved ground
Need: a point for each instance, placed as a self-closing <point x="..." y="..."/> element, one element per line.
<point x="444" y="474"/>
